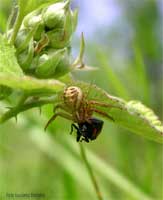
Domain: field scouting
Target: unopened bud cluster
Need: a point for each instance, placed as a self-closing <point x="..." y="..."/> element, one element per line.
<point x="43" y="42"/>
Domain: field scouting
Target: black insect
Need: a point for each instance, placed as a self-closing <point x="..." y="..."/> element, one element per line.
<point x="88" y="130"/>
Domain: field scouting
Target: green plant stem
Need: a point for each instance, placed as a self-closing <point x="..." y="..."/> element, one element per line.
<point x="111" y="174"/>
<point x="22" y="99"/>
<point x="94" y="181"/>
<point x="13" y="112"/>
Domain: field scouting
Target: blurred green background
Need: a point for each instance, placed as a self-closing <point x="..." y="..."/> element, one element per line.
<point x="124" y="40"/>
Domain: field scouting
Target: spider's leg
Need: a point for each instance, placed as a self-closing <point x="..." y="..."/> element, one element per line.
<point x="102" y="113"/>
<point x="61" y="114"/>
<point x="97" y="103"/>
<point x="73" y="126"/>
<point x="59" y="106"/>
<point x="67" y="110"/>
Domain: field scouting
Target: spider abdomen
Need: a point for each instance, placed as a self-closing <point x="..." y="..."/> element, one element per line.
<point x="73" y="97"/>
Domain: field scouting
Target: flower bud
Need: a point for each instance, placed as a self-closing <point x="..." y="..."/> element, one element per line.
<point x="60" y="37"/>
<point x="48" y="62"/>
<point x="26" y="56"/>
<point x="21" y="37"/>
<point x="63" y="66"/>
<point x="43" y="40"/>
<point x="57" y="38"/>
<point x="39" y="31"/>
<point x="54" y="15"/>
<point x="32" y="19"/>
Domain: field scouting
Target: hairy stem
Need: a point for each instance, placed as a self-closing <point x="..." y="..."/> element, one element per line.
<point x="13" y="112"/>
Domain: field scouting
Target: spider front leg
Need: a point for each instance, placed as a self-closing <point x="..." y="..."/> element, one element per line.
<point x="61" y="114"/>
<point x="102" y="113"/>
<point x="97" y="103"/>
<point x="60" y="106"/>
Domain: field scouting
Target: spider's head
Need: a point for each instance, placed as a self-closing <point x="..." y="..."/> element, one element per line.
<point x="89" y="130"/>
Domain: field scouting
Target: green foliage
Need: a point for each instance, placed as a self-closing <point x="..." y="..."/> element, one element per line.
<point x="54" y="156"/>
<point x="133" y="116"/>
<point x="8" y="66"/>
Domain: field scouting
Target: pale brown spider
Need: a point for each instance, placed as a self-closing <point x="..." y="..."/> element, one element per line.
<point x="77" y="108"/>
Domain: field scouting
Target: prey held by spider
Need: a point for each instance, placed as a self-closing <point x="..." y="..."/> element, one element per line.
<point x="77" y="108"/>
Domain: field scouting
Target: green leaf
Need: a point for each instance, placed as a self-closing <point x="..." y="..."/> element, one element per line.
<point x="8" y="66"/>
<point x="132" y="115"/>
<point x="8" y="62"/>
